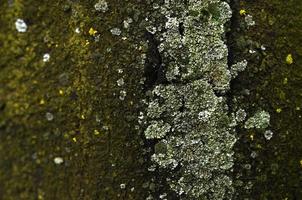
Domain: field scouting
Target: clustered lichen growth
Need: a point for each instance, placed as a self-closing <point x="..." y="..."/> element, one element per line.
<point x="260" y="120"/>
<point x="187" y="112"/>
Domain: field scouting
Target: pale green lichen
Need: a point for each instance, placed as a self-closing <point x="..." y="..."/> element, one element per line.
<point x="260" y="120"/>
<point x="238" y="67"/>
<point x="101" y="6"/>
<point x="240" y="115"/>
<point x="200" y="136"/>
<point x="157" y="129"/>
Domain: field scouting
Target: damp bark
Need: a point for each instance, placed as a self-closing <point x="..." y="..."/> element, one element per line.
<point x="68" y="127"/>
<point x="268" y="169"/>
<point x="68" y="130"/>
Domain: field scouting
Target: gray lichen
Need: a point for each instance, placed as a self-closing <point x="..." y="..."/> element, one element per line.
<point x="157" y="129"/>
<point x="238" y="67"/>
<point x="260" y="120"/>
<point x="268" y="134"/>
<point x="190" y="114"/>
<point x="101" y="6"/>
<point x="249" y="20"/>
<point x="21" y="25"/>
<point x="240" y="115"/>
<point x="116" y="31"/>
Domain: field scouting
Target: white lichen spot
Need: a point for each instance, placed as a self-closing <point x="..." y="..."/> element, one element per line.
<point x="263" y="48"/>
<point x="127" y="22"/>
<point x="249" y="20"/>
<point x="123" y="186"/>
<point x="58" y="160"/>
<point x="116" y="31"/>
<point x="123" y="94"/>
<point x="204" y="115"/>
<point x="254" y="154"/>
<point x="46" y="57"/>
<point x="49" y="116"/>
<point x="268" y="134"/>
<point x="21" y="25"/>
<point x="172" y="23"/>
<point x="120" y="82"/>
<point x="108" y="50"/>
<point x="77" y="30"/>
<point x="252" y="51"/>
<point x="102" y="6"/>
<point x="240" y="115"/>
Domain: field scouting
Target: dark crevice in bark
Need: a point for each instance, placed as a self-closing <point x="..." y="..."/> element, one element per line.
<point x="233" y="26"/>
<point x="232" y="29"/>
<point x="181" y="29"/>
<point x="154" y="71"/>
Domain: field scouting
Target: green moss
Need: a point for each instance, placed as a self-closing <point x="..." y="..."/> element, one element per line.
<point x="78" y="87"/>
<point x="277" y="27"/>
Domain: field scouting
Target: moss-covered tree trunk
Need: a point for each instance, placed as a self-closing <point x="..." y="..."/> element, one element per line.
<point x="269" y="167"/>
<point x="68" y="124"/>
<point x="76" y="76"/>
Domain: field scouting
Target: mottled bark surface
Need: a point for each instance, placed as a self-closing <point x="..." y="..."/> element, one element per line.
<point x="69" y="126"/>
<point x="269" y="168"/>
<point x="93" y="126"/>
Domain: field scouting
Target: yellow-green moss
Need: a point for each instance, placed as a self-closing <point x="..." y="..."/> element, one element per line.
<point x="77" y="87"/>
<point x="273" y="81"/>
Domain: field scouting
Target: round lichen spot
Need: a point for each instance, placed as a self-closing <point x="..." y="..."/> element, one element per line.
<point x="268" y="134"/>
<point x="240" y="115"/>
<point x="77" y="30"/>
<point x="120" y="82"/>
<point x="127" y="22"/>
<point x="123" y="186"/>
<point x="116" y="31"/>
<point x="21" y="25"/>
<point x="49" y="116"/>
<point x="58" y="160"/>
<point x="123" y="95"/>
<point x="102" y="6"/>
<point x="46" y="57"/>
<point x="249" y="20"/>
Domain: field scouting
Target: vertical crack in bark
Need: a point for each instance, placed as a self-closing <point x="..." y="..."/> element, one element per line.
<point x="154" y="71"/>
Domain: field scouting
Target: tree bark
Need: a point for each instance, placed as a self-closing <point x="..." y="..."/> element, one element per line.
<point x="71" y="108"/>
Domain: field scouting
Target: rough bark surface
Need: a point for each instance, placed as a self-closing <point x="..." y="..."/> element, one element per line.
<point x="141" y="99"/>
<point x="71" y="108"/>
